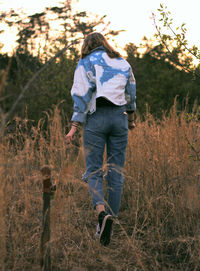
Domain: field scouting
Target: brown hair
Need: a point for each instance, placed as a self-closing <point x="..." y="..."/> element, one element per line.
<point x="95" y="40"/>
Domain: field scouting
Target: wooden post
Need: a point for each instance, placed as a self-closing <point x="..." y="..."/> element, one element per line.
<point x="45" y="251"/>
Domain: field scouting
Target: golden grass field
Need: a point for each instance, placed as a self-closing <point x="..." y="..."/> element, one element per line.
<point x="159" y="217"/>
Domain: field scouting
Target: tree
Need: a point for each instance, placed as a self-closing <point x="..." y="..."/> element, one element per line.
<point x="53" y="84"/>
<point x="43" y="34"/>
<point x="159" y="81"/>
<point x="166" y="71"/>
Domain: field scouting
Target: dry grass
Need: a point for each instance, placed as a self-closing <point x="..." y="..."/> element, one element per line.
<point x="160" y="211"/>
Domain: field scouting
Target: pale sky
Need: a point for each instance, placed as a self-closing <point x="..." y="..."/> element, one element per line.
<point x="132" y="16"/>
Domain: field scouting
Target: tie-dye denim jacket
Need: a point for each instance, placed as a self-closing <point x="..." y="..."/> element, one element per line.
<point x="98" y="75"/>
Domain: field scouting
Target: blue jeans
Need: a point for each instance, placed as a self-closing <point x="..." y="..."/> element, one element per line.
<point x="108" y="126"/>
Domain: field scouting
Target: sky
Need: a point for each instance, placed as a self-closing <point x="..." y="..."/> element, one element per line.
<point x="132" y="16"/>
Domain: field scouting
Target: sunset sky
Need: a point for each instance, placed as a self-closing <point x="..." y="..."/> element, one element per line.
<point x="132" y="16"/>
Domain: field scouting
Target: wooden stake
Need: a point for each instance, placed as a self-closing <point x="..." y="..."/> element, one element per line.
<point x="45" y="251"/>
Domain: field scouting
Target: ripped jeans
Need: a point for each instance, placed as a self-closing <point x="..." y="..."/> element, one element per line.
<point x="108" y="126"/>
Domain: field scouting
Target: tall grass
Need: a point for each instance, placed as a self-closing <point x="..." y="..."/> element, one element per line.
<point x="159" y="218"/>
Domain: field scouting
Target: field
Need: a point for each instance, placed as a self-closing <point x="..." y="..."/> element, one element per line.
<point x="158" y="227"/>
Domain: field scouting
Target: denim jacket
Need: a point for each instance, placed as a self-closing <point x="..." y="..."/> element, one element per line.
<point x="98" y="75"/>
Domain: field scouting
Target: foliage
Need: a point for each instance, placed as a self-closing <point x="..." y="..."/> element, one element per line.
<point x="174" y="39"/>
<point x="159" y="82"/>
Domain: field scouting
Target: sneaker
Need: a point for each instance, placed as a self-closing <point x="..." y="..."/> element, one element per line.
<point x="105" y="224"/>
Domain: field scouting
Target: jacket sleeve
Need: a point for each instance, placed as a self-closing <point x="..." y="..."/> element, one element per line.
<point x="82" y="92"/>
<point x="130" y="92"/>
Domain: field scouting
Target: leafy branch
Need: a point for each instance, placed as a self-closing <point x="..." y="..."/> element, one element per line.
<point x="177" y="41"/>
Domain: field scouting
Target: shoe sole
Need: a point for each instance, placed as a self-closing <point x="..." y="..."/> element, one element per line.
<point x="106" y="230"/>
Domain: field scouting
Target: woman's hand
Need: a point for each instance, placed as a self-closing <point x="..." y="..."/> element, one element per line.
<point x="131" y="123"/>
<point x="70" y="136"/>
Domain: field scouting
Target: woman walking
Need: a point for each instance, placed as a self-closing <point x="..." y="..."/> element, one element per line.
<point x="104" y="94"/>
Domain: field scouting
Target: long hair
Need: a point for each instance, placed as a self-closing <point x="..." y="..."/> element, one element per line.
<point x="95" y="40"/>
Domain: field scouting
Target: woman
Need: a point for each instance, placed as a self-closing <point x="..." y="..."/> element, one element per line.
<point x="104" y="102"/>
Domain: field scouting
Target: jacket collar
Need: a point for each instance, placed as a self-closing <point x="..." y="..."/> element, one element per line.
<point x="98" y="48"/>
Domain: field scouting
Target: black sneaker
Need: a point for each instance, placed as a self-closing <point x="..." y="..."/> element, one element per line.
<point x="105" y="223"/>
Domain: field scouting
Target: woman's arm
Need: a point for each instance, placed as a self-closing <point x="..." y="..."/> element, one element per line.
<point x="82" y="92"/>
<point x="130" y="93"/>
<point x="70" y="136"/>
<point x="131" y="121"/>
